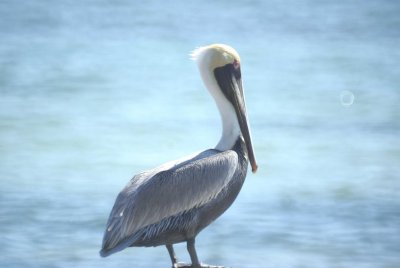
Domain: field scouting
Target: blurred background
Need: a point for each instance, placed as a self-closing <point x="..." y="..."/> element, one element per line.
<point x="92" y="92"/>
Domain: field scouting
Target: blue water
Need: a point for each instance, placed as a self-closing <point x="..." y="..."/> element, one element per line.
<point x="92" y="92"/>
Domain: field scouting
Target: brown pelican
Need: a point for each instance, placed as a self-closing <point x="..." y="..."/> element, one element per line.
<point x="172" y="203"/>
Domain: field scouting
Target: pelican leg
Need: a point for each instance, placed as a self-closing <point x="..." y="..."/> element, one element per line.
<point x="192" y="252"/>
<point x="174" y="260"/>
<point x="193" y="256"/>
<point x="172" y="255"/>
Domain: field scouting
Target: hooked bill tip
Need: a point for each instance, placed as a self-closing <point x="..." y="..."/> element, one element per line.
<point x="254" y="168"/>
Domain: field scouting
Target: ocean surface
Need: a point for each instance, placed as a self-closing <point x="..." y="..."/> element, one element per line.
<point x="92" y="92"/>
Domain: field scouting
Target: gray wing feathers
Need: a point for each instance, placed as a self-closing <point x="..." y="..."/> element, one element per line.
<point x="152" y="196"/>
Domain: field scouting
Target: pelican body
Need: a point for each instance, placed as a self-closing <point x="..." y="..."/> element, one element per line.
<point x="172" y="203"/>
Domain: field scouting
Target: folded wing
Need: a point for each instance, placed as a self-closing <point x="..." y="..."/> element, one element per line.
<point x="163" y="192"/>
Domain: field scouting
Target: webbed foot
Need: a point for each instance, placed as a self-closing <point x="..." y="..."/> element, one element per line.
<point x="185" y="265"/>
<point x="181" y="265"/>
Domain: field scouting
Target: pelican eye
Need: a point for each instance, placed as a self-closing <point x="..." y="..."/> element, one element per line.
<point x="236" y="64"/>
<point x="236" y="69"/>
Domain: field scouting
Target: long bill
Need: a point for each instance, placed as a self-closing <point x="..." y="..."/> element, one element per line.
<point x="229" y="80"/>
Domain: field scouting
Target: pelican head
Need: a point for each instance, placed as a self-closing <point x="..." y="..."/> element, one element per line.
<point x="219" y="67"/>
